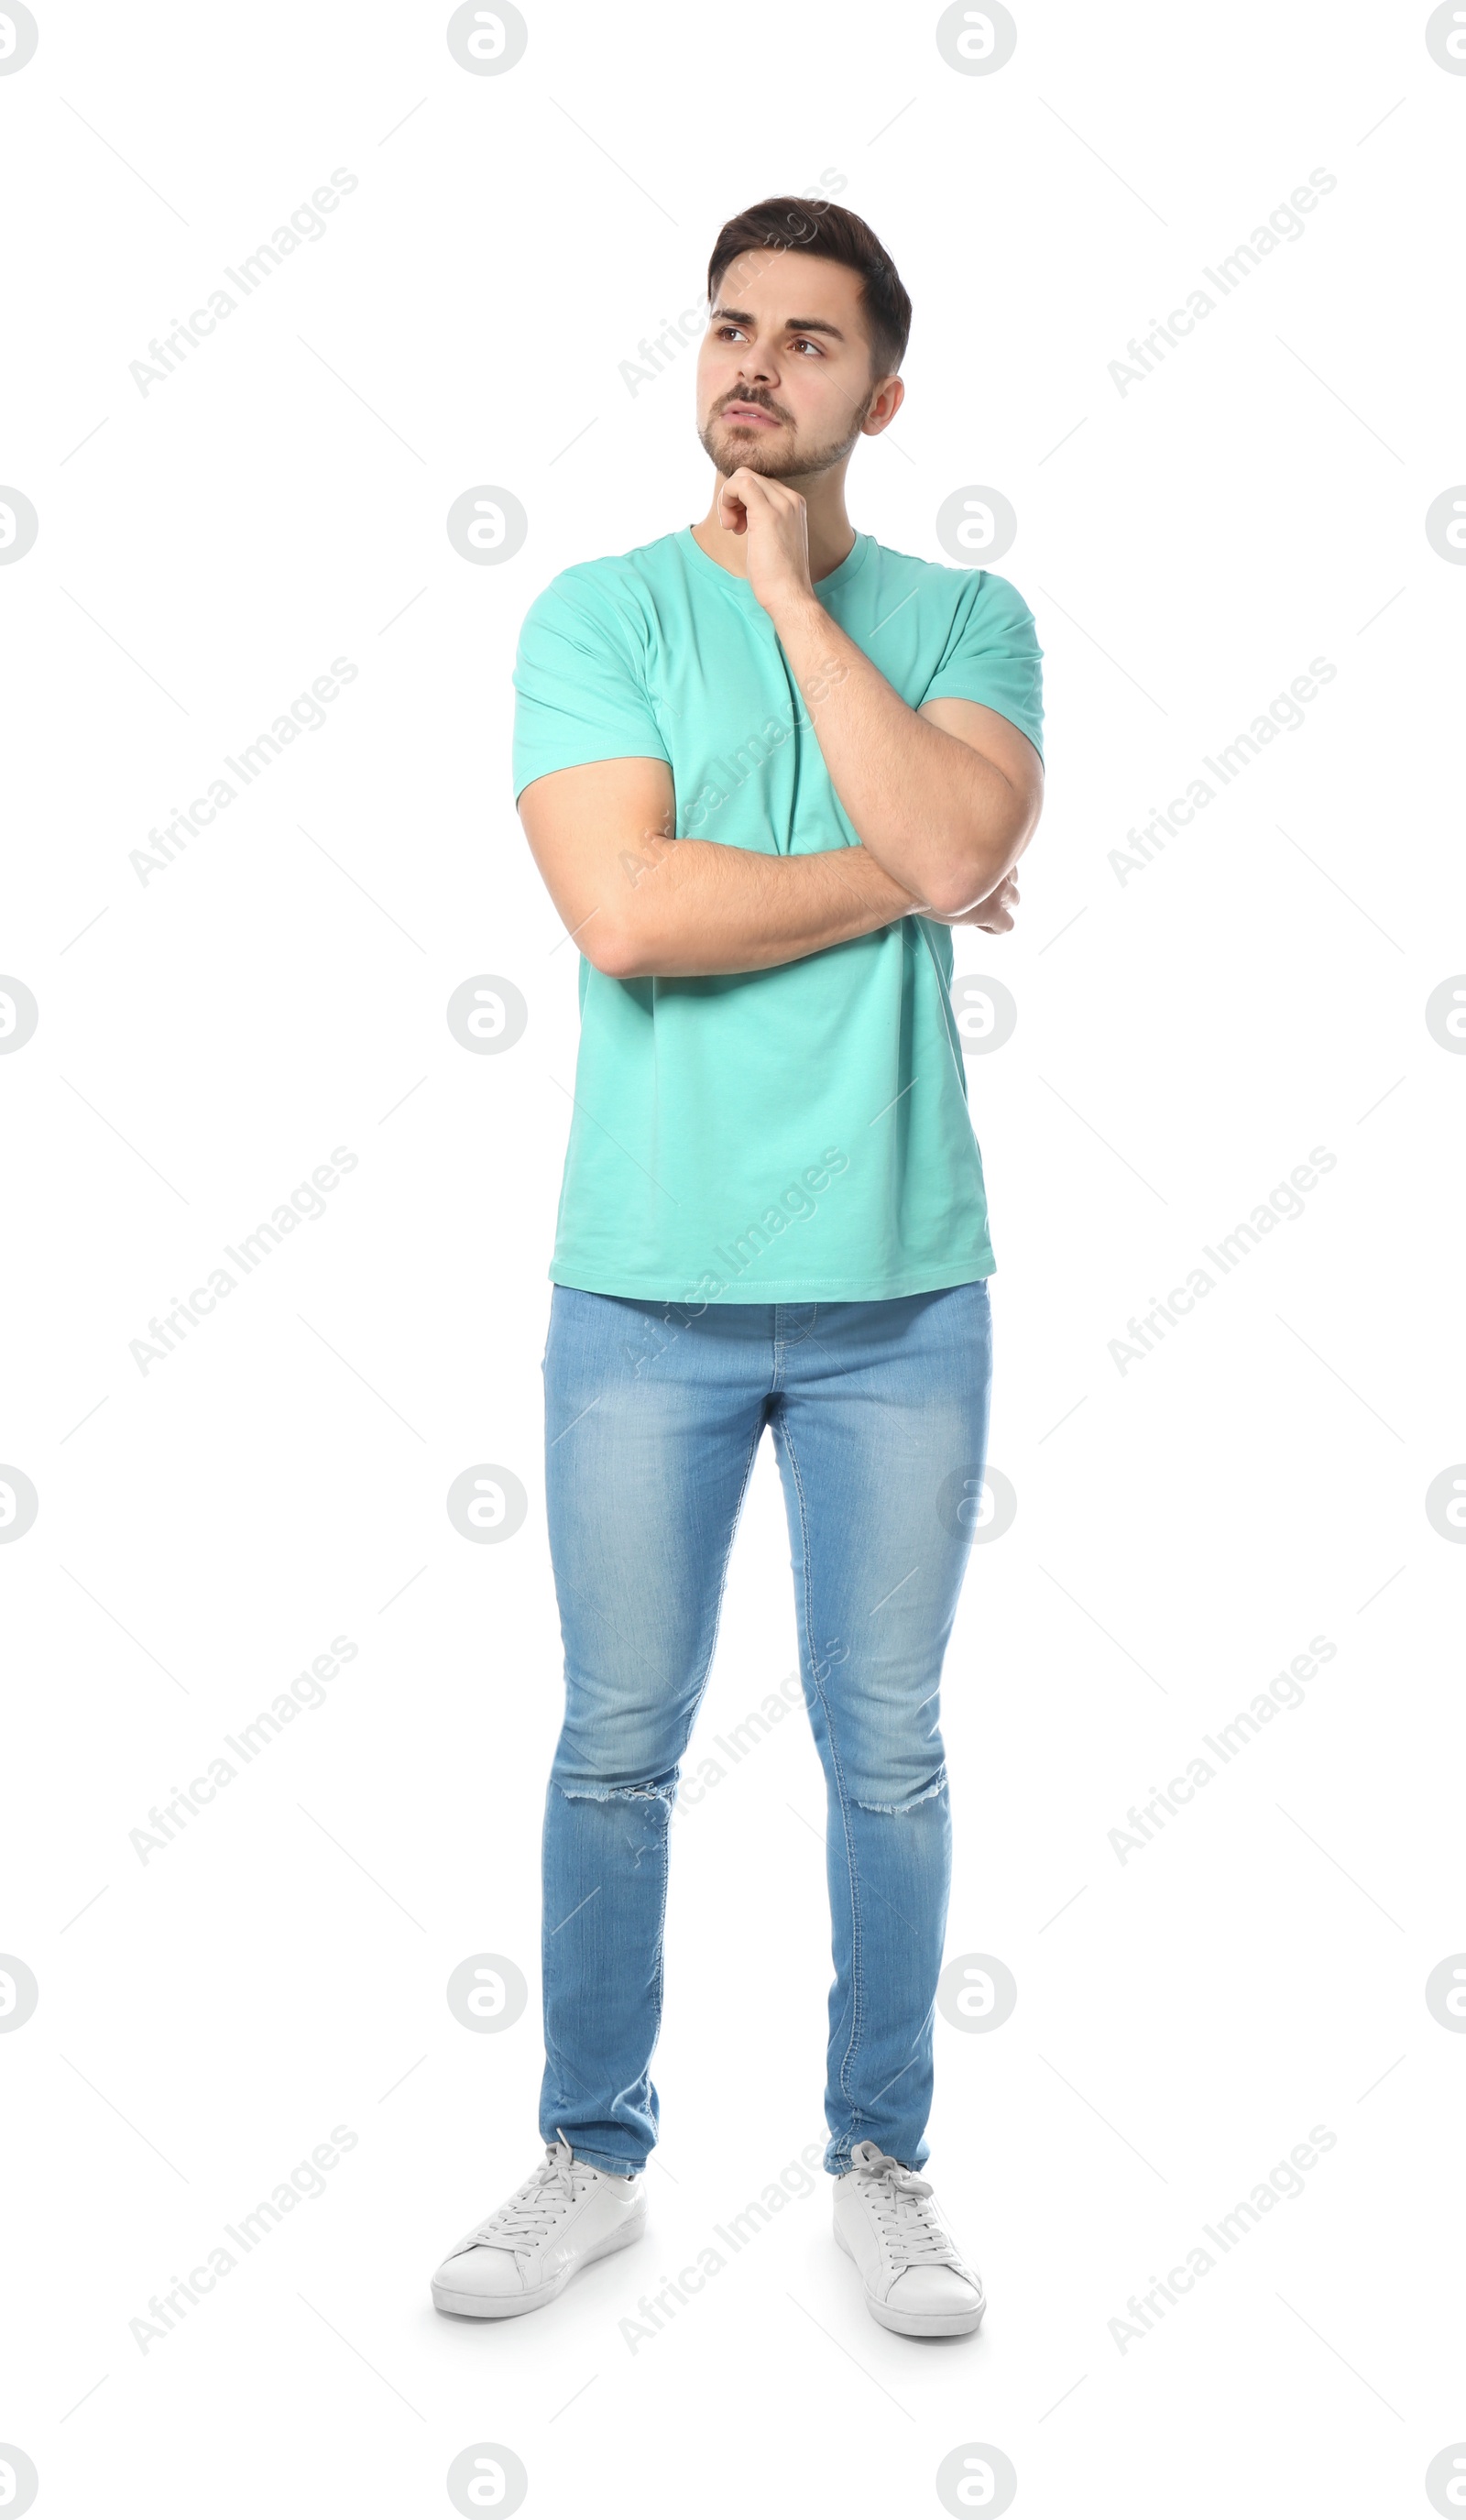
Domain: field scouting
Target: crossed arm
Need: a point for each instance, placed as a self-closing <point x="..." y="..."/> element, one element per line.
<point x="641" y="903"/>
<point x="945" y="799"/>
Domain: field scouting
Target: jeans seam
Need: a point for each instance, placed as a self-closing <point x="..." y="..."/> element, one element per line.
<point x="699" y="1693"/>
<point x="733" y="1532"/>
<point x="857" y="2012"/>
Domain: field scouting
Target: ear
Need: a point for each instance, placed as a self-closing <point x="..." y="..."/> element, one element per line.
<point x="885" y="403"/>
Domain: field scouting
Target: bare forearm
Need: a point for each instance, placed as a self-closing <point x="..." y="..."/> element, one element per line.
<point x="936" y="814"/>
<point x="696" y="907"/>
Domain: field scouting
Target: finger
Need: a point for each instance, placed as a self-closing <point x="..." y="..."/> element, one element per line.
<point x="765" y="493"/>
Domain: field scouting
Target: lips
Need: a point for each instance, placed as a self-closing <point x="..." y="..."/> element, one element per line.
<point x="747" y="412"/>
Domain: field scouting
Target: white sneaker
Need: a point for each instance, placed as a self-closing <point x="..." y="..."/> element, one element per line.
<point x="916" y="2278"/>
<point x="564" y="2215"/>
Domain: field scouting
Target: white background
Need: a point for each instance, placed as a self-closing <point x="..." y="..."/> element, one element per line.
<point x="1186" y="1037"/>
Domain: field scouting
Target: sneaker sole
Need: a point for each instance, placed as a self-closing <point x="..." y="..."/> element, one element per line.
<point x="932" y="2323"/>
<point x="477" y="2305"/>
<point x="917" y="2322"/>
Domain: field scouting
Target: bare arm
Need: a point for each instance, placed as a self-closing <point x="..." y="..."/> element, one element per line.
<point x="946" y="798"/>
<point x="641" y="904"/>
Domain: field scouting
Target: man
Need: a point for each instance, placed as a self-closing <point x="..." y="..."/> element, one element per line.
<point x="764" y="766"/>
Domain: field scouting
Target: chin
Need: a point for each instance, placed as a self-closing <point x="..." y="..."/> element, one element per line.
<point x="762" y="450"/>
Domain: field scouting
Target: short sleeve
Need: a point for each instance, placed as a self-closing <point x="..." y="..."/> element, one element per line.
<point x="994" y="657"/>
<point x="578" y="694"/>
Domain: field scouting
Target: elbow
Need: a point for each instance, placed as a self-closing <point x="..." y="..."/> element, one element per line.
<point x="950" y="896"/>
<point x="609" y="946"/>
<point x="969" y="875"/>
<point x="955" y="890"/>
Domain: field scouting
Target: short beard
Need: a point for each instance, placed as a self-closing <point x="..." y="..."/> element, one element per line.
<point x="789" y="464"/>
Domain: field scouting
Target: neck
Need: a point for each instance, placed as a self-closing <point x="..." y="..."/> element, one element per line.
<point x="831" y="533"/>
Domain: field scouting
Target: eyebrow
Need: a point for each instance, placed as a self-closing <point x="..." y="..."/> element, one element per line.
<point x="792" y="323"/>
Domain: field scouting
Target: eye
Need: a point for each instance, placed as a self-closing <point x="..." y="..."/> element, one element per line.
<point x="725" y="331"/>
<point x="803" y="343"/>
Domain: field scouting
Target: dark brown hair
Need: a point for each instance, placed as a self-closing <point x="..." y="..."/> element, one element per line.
<point x="788" y="225"/>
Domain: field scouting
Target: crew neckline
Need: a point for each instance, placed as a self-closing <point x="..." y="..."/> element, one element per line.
<point x="853" y="560"/>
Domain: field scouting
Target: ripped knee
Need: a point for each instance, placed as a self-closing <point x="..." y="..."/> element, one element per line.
<point x="926" y="1794"/>
<point x="636" y="1818"/>
<point x="661" y="1790"/>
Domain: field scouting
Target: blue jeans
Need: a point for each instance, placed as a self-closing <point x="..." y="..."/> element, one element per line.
<point x="654" y="1415"/>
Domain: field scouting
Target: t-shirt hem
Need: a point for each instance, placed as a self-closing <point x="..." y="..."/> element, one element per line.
<point x="591" y="1280"/>
<point x="949" y="687"/>
<point x="585" y="757"/>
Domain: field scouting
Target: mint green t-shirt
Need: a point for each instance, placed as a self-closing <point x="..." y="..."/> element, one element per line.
<point x="793" y="1135"/>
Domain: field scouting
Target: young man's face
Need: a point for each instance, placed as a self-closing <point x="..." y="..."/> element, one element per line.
<point x="783" y="377"/>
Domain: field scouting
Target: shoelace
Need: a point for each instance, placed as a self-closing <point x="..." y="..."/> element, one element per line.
<point x="535" y="2208"/>
<point x="909" y="2224"/>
